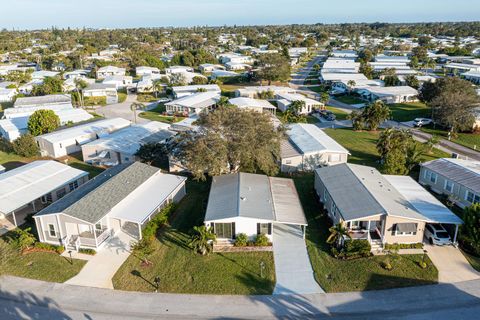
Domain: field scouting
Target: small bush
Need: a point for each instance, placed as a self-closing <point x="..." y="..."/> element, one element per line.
<point x="262" y="240"/>
<point x="241" y="240"/>
<point x="353" y="249"/>
<point x="157" y="221"/>
<point x="398" y="246"/>
<point x="26" y="146"/>
<point x="87" y="251"/>
<point x="49" y="247"/>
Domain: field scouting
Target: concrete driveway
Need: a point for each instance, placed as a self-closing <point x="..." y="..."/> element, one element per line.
<point x="100" y="269"/>
<point x="292" y="265"/>
<point x="121" y="110"/>
<point x="451" y="264"/>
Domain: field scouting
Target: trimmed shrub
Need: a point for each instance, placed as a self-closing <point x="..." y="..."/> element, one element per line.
<point x="157" y="221"/>
<point x="241" y="240"/>
<point x="87" y="251"/>
<point x="26" y="146"/>
<point x="353" y="249"/>
<point x="398" y="246"/>
<point x="262" y="240"/>
<point x="49" y="247"/>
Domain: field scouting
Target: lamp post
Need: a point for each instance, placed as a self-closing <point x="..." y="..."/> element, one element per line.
<point x="156" y="281"/>
<point x="262" y="268"/>
<point x="71" y="259"/>
<point x="424" y="256"/>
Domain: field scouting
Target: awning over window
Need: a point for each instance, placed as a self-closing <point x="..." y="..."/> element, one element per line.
<point x="406" y="227"/>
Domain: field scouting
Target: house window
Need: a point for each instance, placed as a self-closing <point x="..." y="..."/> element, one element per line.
<point x="73" y="185"/>
<point x="355" y="225"/>
<point x="51" y="230"/>
<point x="472" y="197"/>
<point x="334" y="209"/>
<point x="225" y="230"/>
<point x="431" y="176"/>
<point x="98" y="226"/>
<point x="61" y="193"/>
<point x="288" y="161"/>
<point x="60" y="145"/>
<point x="406" y="229"/>
<point x="265" y="228"/>
<point x="448" y="185"/>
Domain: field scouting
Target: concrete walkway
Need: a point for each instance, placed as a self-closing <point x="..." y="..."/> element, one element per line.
<point x="121" y="110"/>
<point x="451" y="264"/>
<point x="31" y="299"/>
<point x="293" y="270"/>
<point x="100" y="269"/>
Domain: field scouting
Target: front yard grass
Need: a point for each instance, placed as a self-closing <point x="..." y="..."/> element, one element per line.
<point x="362" y="146"/>
<point x="469" y="140"/>
<point x="339" y="114"/>
<point x="473" y="260"/>
<point x="156" y="115"/>
<point x="403" y="112"/>
<point x="335" y="275"/>
<point x="348" y="99"/>
<point x="182" y="271"/>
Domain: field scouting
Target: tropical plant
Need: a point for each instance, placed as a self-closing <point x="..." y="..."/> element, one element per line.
<point x="337" y="235"/>
<point x="157" y="86"/>
<point x="357" y="120"/>
<point x="201" y="239"/>
<point x="470" y="231"/>
<point x="261" y="240"/>
<point x="23" y="238"/>
<point x="80" y="85"/>
<point x="135" y="107"/>
<point x="374" y="114"/>
<point x="431" y="142"/>
<point x="241" y="240"/>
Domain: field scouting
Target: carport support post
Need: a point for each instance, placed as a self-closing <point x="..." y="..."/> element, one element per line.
<point x="139" y="231"/>
<point x="14" y="219"/>
<point x="456" y="233"/>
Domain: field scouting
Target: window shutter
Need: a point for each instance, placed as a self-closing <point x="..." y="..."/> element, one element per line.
<point x="212" y="225"/>
<point x="233" y="230"/>
<point x="394" y="227"/>
<point x="269" y="228"/>
<point x="258" y="228"/>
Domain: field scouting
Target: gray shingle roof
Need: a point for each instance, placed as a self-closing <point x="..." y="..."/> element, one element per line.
<point x="464" y="172"/>
<point x="92" y="201"/>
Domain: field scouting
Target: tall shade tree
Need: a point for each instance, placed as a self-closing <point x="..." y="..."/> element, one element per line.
<point x="395" y="149"/>
<point x="43" y="121"/>
<point x="273" y="67"/>
<point x="50" y="85"/>
<point x="230" y="140"/>
<point x="26" y="146"/>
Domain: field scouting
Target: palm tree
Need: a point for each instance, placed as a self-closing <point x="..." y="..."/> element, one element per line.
<point x="375" y="113"/>
<point x="351" y="84"/>
<point x="80" y="84"/>
<point x="337" y="233"/>
<point x="414" y="155"/>
<point x="429" y="63"/>
<point x="201" y="240"/>
<point x="157" y="85"/>
<point x="134" y="107"/>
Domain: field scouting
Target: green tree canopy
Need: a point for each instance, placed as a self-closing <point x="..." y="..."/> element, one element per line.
<point x="229" y="140"/>
<point x="50" y="85"/>
<point x="25" y="146"/>
<point x="273" y="67"/>
<point x="396" y="151"/>
<point x="43" y="121"/>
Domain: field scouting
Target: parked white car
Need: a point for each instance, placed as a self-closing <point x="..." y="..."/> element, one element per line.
<point x="437" y="235"/>
<point x="420" y="122"/>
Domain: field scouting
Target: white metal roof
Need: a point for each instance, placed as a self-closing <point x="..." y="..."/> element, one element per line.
<point x="194" y="88"/>
<point x="286" y="203"/>
<point x="196" y="100"/>
<point x="88" y="129"/>
<point x="145" y="199"/>
<point x="341" y="76"/>
<point x="128" y="140"/>
<point x="308" y="138"/>
<point x="29" y="182"/>
<point x="297" y="96"/>
<point x="423" y="201"/>
<point x="392" y="91"/>
<point x="242" y="102"/>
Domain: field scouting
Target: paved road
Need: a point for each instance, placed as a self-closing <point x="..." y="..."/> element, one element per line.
<point x="99" y="270"/>
<point x="294" y="273"/>
<point x="31" y="299"/>
<point x="299" y="77"/>
<point x="121" y="110"/>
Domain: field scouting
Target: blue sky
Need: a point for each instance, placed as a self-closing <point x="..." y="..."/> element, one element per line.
<point x="31" y="14"/>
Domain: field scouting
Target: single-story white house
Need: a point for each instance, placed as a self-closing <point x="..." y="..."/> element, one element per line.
<point x="252" y="204"/>
<point x="7" y="95"/>
<point x="237" y="66"/>
<point x="254" y="91"/>
<point x="284" y="100"/>
<point x="109" y="91"/>
<point x="223" y="74"/>
<point x="122" y="145"/>
<point x="340" y="65"/>
<point x="33" y="186"/>
<point x="253" y="104"/>
<point x="209" y="67"/>
<point x="145" y="71"/>
<point x="178" y="69"/>
<point x="67" y="141"/>
<point x="63" y="100"/>
<point x="308" y="147"/>
<point x="106" y="71"/>
<point x="389" y="94"/>
<point x="182" y="91"/>
<point x="194" y="103"/>
<point x="120" y="82"/>
<point x="472" y="76"/>
<point x="121" y="199"/>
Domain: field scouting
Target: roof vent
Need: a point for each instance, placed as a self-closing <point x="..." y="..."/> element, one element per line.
<point x="243" y="198"/>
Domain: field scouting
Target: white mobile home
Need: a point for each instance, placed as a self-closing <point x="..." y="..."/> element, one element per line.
<point x="194" y="104"/>
<point x="67" y="141"/>
<point x="284" y="100"/>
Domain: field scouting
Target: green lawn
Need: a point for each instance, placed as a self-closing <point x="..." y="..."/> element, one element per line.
<point x="349" y="99"/>
<point x="362" y="146"/>
<point x="403" y="112"/>
<point x="121" y="97"/>
<point x="156" y="115"/>
<point x="339" y="114"/>
<point x="146" y="97"/>
<point x="183" y="271"/>
<point x="468" y="140"/>
<point x="335" y="275"/>
<point x="474" y="261"/>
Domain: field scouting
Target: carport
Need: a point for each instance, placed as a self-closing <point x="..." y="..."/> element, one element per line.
<point x="425" y="203"/>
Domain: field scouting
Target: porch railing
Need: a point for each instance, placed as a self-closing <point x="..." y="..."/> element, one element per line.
<point x="91" y="241"/>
